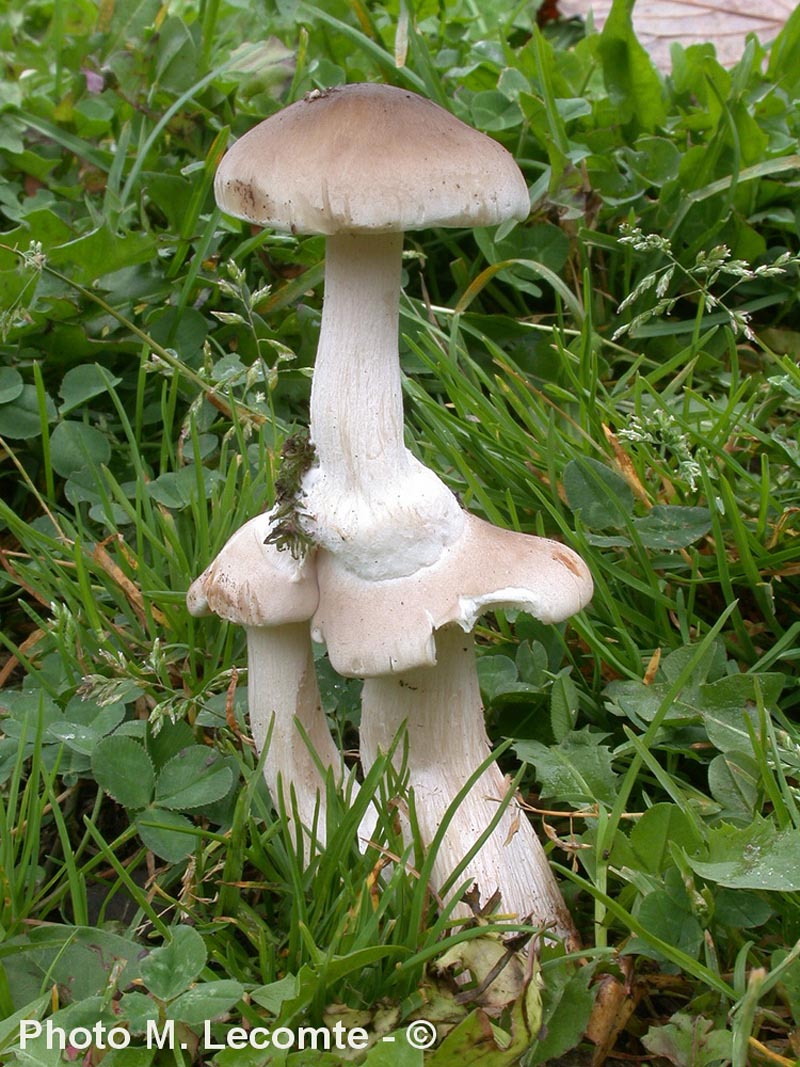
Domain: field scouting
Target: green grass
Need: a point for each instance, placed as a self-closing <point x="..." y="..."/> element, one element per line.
<point x="620" y="372"/>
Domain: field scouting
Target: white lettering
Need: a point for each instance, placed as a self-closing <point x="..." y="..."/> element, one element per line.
<point x="358" y="1038"/>
<point x="118" y="1037"/>
<point x="208" y="1039"/>
<point x="282" y="1038"/>
<point x="315" y="1032"/>
<point x="236" y="1037"/>
<point x="55" y="1037"/>
<point x="81" y="1038"/>
<point x="29" y="1029"/>
<point x="259" y="1038"/>
<point x="163" y="1038"/>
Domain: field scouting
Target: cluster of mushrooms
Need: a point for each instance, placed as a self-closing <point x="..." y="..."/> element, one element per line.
<point x="399" y="572"/>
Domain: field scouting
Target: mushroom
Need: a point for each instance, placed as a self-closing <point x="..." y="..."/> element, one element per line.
<point x="403" y="571"/>
<point x="361" y="164"/>
<point x="435" y="610"/>
<point x="273" y="595"/>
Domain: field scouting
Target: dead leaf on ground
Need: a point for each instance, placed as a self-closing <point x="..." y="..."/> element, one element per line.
<point x="725" y="23"/>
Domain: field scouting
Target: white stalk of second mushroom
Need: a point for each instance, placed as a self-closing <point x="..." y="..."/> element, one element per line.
<point x="382" y="515"/>
<point x="285" y="710"/>
<point x="446" y="743"/>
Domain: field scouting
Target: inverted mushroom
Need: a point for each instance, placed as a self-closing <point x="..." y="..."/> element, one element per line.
<point x="273" y="595"/>
<point x="403" y="571"/>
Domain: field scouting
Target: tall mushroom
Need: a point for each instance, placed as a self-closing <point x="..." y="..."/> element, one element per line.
<point x="399" y="562"/>
<point x="273" y="596"/>
<point x="361" y="164"/>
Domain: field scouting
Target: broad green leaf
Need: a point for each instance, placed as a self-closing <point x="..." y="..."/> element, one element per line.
<point x="656" y="159"/>
<point x="542" y="242"/>
<point x="79" y="959"/>
<point x="76" y="445"/>
<point x="290" y="995"/>
<point x="167" y="833"/>
<point x="784" y="60"/>
<point x="207" y="446"/>
<point x="138" y="1010"/>
<point x="598" y="494"/>
<point x="396" y="1052"/>
<point x="177" y="489"/>
<point x="752" y="857"/>
<point x="729" y="707"/>
<point x="205" y="1001"/>
<point x="492" y="111"/>
<point x="11" y="384"/>
<point x="36" y="1009"/>
<point x="133" y="1056"/>
<point x="83" y="383"/>
<point x="124" y="23"/>
<point x="659" y="827"/>
<point x="739" y="909"/>
<point x="672" y="527"/>
<point x="165" y="744"/>
<point x="169" y="970"/>
<point x="567" y="1008"/>
<point x="253" y="1057"/>
<point x="20" y="418"/>
<point x="341" y="966"/>
<point x="272" y="997"/>
<point x="122" y="767"/>
<point x="689" y="1041"/>
<point x="733" y="781"/>
<point x="102" y="251"/>
<point x="102" y="717"/>
<point x="790" y="981"/>
<point x="662" y="915"/>
<point x="34" y="709"/>
<point x="498" y="678"/>
<point x="633" y="83"/>
<point x="172" y="195"/>
<point x="532" y="663"/>
<point x="82" y="737"/>
<point x="83" y="487"/>
<point x="185" y="331"/>
<point x="578" y="770"/>
<point x="192" y="778"/>
<point x="92" y="117"/>
<point x="176" y="61"/>
<point x="38" y="1051"/>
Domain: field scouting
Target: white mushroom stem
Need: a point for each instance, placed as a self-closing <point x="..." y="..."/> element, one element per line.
<point x="254" y="584"/>
<point x="369" y="500"/>
<point x="446" y="743"/>
<point x="283" y="696"/>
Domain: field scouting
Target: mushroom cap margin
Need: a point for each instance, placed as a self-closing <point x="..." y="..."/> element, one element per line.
<point x="388" y="627"/>
<point x="368" y="158"/>
<point x="255" y="584"/>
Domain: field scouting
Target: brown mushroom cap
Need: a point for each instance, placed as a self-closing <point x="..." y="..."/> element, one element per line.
<point x="368" y="159"/>
<point x="255" y="584"/>
<point x="373" y="628"/>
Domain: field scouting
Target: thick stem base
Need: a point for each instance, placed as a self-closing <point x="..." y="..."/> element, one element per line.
<point x="447" y="741"/>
